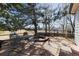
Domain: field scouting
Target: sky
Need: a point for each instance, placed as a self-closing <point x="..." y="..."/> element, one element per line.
<point x="56" y="24"/>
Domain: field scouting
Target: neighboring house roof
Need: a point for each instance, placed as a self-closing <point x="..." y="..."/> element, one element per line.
<point x="74" y="8"/>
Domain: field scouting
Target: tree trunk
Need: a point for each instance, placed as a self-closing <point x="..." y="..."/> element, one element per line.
<point x="35" y="26"/>
<point x="66" y="27"/>
<point x="45" y="26"/>
<point x="63" y="29"/>
<point x="35" y="23"/>
<point x="49" y="27"/>
<point x="35" y="30"/>
<point x="72" y="24"/>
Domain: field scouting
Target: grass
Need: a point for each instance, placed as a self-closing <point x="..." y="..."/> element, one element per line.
<point x="1" y="32"/>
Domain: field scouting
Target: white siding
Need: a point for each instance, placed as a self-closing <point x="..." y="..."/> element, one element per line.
<point x="77" y="28"/>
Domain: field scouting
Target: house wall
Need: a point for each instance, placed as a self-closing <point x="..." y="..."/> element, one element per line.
<point x="77" y="28"/>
